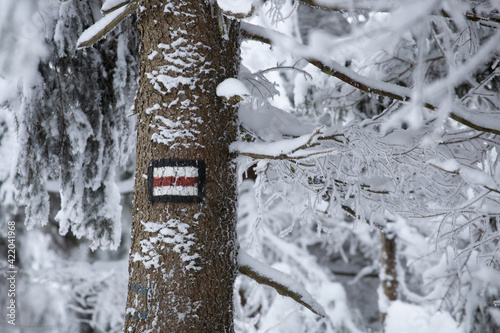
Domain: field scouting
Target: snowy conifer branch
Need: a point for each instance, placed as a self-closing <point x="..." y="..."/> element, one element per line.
<point x="280" y="281"/>
<point x="331" y="67"/>
<point x="112" y="18"/>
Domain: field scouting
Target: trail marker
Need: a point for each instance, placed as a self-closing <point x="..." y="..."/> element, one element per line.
<point x="178" y="181"/>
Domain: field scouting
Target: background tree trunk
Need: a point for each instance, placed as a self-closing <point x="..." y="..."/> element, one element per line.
<point x="183" y="255"/>
<point x="389" y="277"/>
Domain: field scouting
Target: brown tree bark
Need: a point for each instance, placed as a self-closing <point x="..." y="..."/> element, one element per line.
<point x="183" y="254"/>
<point x="389" y="281"/>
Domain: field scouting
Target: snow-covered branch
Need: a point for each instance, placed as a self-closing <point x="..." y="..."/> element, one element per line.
<point x="291" y="149"/>
<point x="378" y="6"/>
<point x="281" y="282"/>
<point x="368" y="85"/>
<point x="113" y="16"/>
<point x="474" y="15"/>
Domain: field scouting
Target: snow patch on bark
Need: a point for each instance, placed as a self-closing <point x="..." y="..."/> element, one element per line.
<point x="173" y="232"/>
<point x="169" y="131"/>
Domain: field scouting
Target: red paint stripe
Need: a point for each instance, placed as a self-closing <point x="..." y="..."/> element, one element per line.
<point x="172" y="181"/>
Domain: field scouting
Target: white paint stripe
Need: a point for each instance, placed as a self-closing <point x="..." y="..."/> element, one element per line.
<point x="168" y="171"/>
<point x="175" y="190"/>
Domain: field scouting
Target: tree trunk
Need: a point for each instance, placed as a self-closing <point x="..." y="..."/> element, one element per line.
<point x="388" y="280"/>
<point x="183" y="254"/>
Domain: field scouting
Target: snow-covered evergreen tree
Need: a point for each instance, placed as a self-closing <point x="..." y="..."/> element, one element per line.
<point x="70" y="110"/>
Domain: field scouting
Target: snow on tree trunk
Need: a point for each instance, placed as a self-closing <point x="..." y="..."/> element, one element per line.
<point x="183" y="254"/>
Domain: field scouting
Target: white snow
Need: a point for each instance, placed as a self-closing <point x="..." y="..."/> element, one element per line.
<point x="153" y="108"/>
<point x="169" y="82"/>
<point x="232" y="87"/>
<point x="408" y="318"/>
<point x="152" y="54"/>
<point x="236" y="6"/>
<point x="477" y="177"/>
<point x="271" y="123"/>
<point x="172" y="232"/>
<point x="169" y="131"/>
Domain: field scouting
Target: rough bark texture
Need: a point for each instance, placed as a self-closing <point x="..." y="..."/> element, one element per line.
<point x="389" y="279"/>
<point x="183" y="255"/>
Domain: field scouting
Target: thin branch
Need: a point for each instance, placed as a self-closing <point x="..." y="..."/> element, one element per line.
<point x="492" y="189"/>
<point x="455" y="172"/>
<point x="338" y="6"/>
<point x="308" y="143"/>
<point x="285" y="156"/>
<point x="278" y="68"/>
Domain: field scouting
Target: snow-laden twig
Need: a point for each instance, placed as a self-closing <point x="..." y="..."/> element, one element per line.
<point x="112" y="18"/>
<point x="280" y="281"/>
<point x="111" y="5"/>
<point x="282" y="150"/>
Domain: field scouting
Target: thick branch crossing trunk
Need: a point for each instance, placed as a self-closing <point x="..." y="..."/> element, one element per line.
<point x="183" y="255"/>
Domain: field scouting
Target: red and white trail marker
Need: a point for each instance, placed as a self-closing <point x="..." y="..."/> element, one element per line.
<point x="176" y="181"/>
